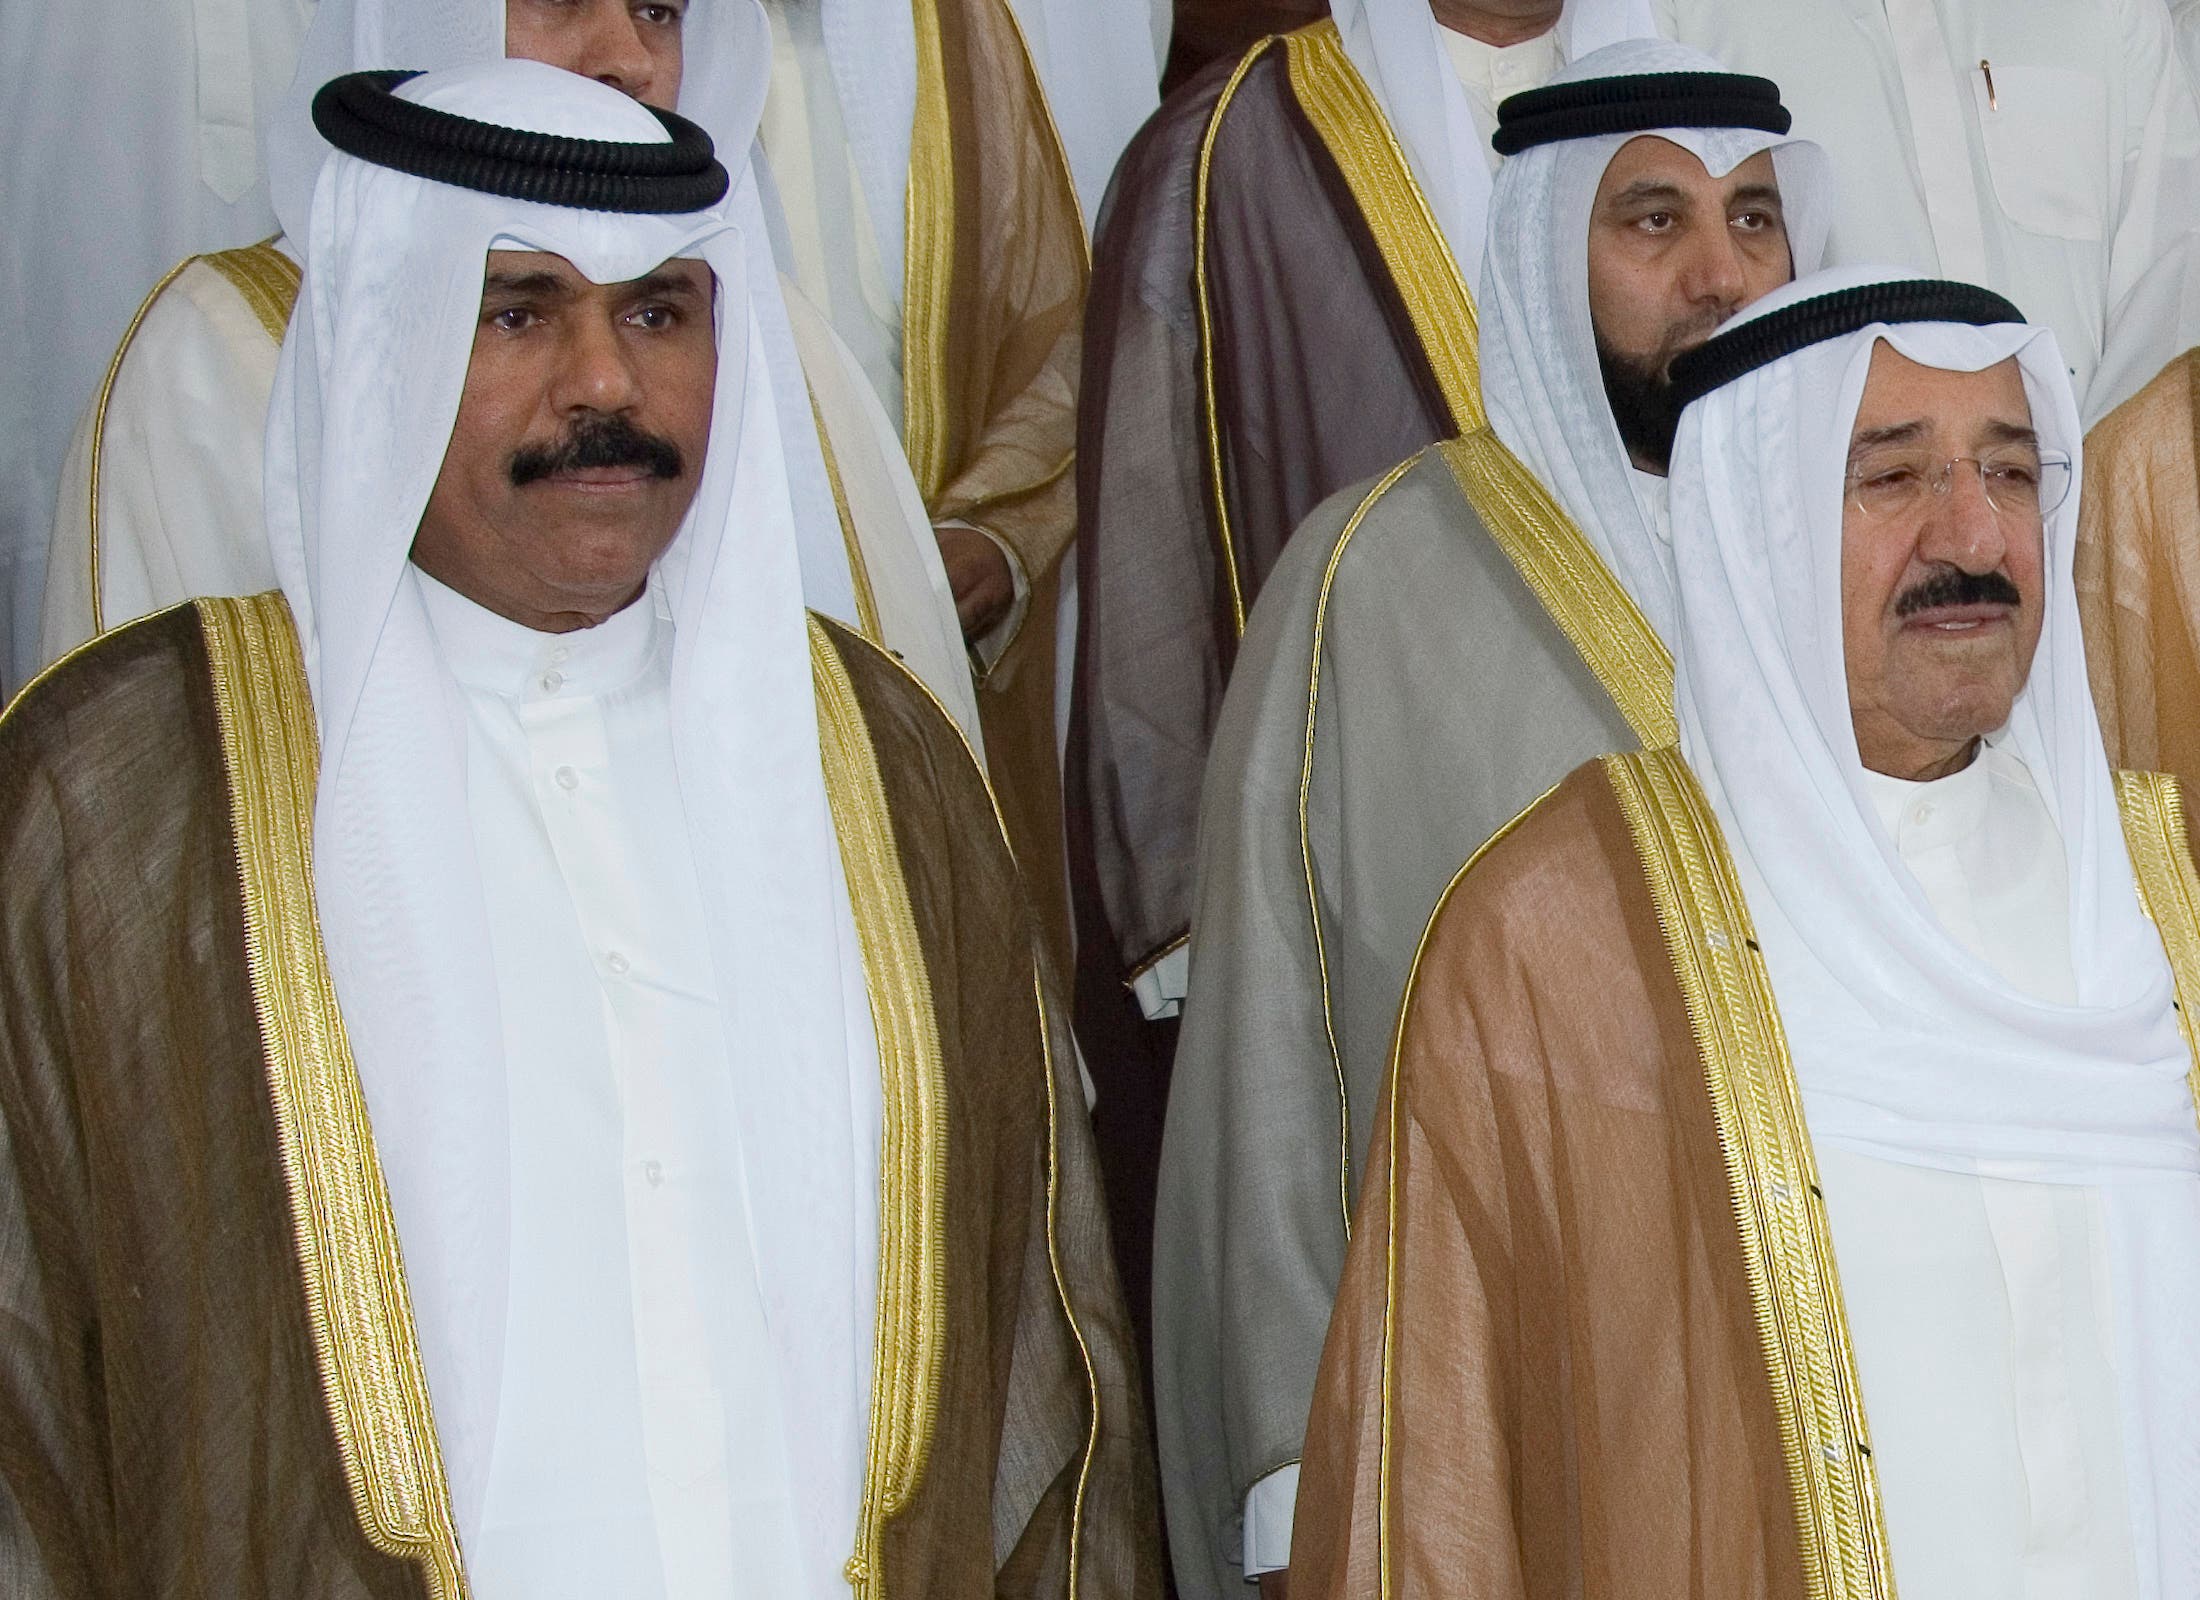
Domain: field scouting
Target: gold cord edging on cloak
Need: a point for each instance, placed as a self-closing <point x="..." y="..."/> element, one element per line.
<point x="1390" y="1194"/>
<point x="266" y="280"/>
<point x="911" y="1328"/>
<point x="1551" y="554"/>
<point x="2153" y="808"/>
<point x="1351" y="123"/>
<point x="366" y="1348"/>
<point x="1779" y="1208"/>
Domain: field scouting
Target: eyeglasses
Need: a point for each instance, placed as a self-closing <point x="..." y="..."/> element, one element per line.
<point x="2017" y="482"/>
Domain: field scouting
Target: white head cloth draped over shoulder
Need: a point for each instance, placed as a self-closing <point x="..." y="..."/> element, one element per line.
<point x="1541" y="382"/>
<point x="1398" y="48"/>
<point x="365" y="396"/>
<point x="1909" y="1048"/>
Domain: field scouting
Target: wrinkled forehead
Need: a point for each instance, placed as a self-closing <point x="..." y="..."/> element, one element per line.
<point x="1913" y="398"/>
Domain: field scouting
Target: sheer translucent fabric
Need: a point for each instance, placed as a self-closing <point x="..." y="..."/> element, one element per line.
<point x="162" y="1428"/>
<point x="1573" y="1400"/>
<point x="1008" y="376"/>
<point x="2138" y="574"/>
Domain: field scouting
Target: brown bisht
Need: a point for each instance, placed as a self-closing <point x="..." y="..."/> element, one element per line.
<point x="994" y="273"/>
<point x="1275" y="315"/>
<point x="2138" y="573"/>
<point x="209" y="1381"/>
<point x="1590" y="1340"/>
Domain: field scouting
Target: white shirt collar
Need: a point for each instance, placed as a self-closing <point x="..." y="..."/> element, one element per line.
<point x="1494" y="72"/>
<point x="493" y="653"/>
<point x="1939" y="811"/>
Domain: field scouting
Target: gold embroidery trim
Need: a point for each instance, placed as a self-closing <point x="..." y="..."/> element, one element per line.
<point x="1061" y="1286"/>
<point x="268" y="282"/>
<point x="1351" y="123"/>
<point x="911" y="1330"/>
<point x="928" y="256"/>
<point x="859" y="571"/>
<point x="1390" y="1194"/>
<point x="1306" y="837"/>
<point x="266" y="278"/>
<point x="1779" y="1207"/>
<point x="1209" y="401"/>
<point x="2153" y="808"/>
<point x="365" y="1344"/>
<point x="1599" y="618"/>
<point x="99" y="425"/>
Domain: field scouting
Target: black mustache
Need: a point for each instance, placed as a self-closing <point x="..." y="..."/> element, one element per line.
<point x="596" y="442"/>
<point x="1951" y="586"/>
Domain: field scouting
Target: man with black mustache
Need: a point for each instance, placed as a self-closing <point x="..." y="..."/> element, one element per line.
<point x="1788" y="1180"/>
<point x="528" y="1070"/>
<point x="1428" y="655"/>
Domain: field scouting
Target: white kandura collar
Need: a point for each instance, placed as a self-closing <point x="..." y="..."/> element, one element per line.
<point x="490" y="652"/>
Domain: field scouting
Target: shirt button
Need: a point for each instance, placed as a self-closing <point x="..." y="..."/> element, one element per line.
<point x="654" y="1171"/>
<point x="1923" y="814"/>
<point x="568" y="778"/>
<point x="560" y="655"/>
<point x="552" y="681"/>
<point x="618" y="964"/>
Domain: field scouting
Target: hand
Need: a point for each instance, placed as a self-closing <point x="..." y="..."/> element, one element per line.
<point x="979" y="574"/>
<point x="1276" y="1585"/>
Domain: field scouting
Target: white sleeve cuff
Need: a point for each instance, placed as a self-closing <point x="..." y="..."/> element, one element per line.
<point x="991" y="645"/>
<point x="1160" y="989"/>
<point x="1268" y="1507"/>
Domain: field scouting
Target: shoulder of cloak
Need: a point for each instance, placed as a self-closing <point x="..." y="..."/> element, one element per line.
<point x="105" y="733"/>
<point x="2157" y="430"/>
<point x="1550" y="897"/>
<point x="244" y="295"/>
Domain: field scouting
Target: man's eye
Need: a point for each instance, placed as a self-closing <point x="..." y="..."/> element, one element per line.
<point x="1656" y="222"/>
<point x="656" y="318"/>
<point x="1883" y="480"/>
<point x="512" y="318"/>
<point x="662" y="16"/>
<point x="2013" y="474"/>
<point x="1753" y="221"/>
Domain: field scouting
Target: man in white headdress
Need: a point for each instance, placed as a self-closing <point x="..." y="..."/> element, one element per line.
<point x="1283" y="305"/>
<point x="1427" y="657"/>
<point x="161" y="490"/>
<point x="926" y="207"/>
<point x="2047" y="150"/>
<point x="528" y="1072"/>
<point x="1789" y="1182"/>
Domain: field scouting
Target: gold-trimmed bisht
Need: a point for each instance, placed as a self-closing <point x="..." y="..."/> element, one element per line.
<point x="910" y="1334"/>
<point x="366" y="1347"/>
<point x="1772" y="1176"/>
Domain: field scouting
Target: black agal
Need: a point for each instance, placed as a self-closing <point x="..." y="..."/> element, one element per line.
<point x="361" y="116"/>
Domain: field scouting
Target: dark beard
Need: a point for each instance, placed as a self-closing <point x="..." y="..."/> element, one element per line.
<point x="1640" y="394"/>
<point x="595" y="441"/>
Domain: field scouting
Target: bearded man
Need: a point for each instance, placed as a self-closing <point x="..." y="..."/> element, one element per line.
<point x="528" y="1072"/>
<point x="1428" y="656"/>
<point x="161" y="488"/>
<point x="1284" y="305"/>
<point x="1789" y="1182"/>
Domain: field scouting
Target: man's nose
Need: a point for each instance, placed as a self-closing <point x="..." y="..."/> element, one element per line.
<point x="1713" y="272"/>
<point x="598" y="373"/>
<point x="1962" y="528"/>
<point x="616" y="53"/>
